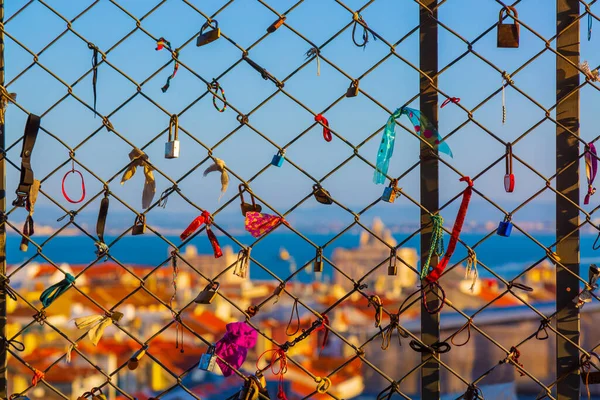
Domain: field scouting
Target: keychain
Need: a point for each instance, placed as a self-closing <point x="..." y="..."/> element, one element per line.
<point x="509" y="178"/>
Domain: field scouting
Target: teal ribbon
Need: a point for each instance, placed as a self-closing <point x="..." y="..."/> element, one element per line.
<point x="386" y="148"/>
<point x="52" y="293"/>
<point x="437" y="243"/>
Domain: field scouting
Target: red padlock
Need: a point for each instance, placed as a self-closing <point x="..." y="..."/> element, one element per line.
<point x="509" y="178"/>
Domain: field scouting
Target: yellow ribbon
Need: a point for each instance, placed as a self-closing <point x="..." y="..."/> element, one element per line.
<point x="96" y="324"/>
<point x="138" y="159"/>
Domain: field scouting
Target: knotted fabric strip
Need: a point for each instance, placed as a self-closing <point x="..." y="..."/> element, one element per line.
<point x="437" y="243"/>
<point x="54" y="291"/>
<point x="386" y="148"/>
<point x="424" y="128"/>
<point x="590" y="74"/>
<point x="358" y="20"/>
<point x="162" y="43"/>
<point x="37" y="377"/>
<point x="138" y="159"/>
<point x="278" y="358"/>
<point x="94" y="72"/>
<point x="322" y="327"/>
<point x="26" y="181"/>
<point x="219" y="166"/>
<point x="449" y="100"/>
<point x="434" y="275"/>
<point x="233" y="346"/>
<point x="472" y="268"/>
<point x="204" y="218"/>
<point x="591" y="168"/>
<point x="101" y="247"/>
<point x="96" y="324"/>
<point x="315" y="52"/>
<point x="28" y="226"/>
<point x="326" y="131"/>
<point x="259" y="224"/>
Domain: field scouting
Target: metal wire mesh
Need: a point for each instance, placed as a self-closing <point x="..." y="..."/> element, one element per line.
<point x="393" y="372"/>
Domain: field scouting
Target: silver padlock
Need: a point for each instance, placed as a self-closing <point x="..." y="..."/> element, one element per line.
<point x="208" y="360"/>
<point x="172" y="146"/>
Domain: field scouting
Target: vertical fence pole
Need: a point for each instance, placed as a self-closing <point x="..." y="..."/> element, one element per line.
<point x="3" y="347"/>
<point x="567" y="183"/>
<point x="428" y="63"/>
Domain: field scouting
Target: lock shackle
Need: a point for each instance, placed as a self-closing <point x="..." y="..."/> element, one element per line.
<point x="208" y="24"/>
<point x="319" y="256"/>
<point x="173" y="126"/>
<point x="94" y="390"/>
<point x="140" y="219"/>
<point x="509" y="158"/>
<point x="394" y="184"/>
<point x="507" y="217"/>
<point x="281" y="152"/>
<point x="212" y="285"/>
<point x="509" y="10"/>
<point x="243" y="187"/>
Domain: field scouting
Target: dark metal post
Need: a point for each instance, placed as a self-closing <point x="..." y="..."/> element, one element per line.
<point x="567" y="183"/>
<point x="430" y="324"/>
<point x="3" y="349"/>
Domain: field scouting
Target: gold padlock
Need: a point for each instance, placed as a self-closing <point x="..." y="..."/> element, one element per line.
<point x="321" y="195"/>
<point x="208" y="294"/>
<point x="508" y="34"/>
<point x="245" y="206"/>
<point x="97" y="394"/>
<point x="139" y="226"/>
<point x="353" y="89"/>
<point x="134" y="361"/>
<point x="249" y="391"/>
<point x="210" y="36"/>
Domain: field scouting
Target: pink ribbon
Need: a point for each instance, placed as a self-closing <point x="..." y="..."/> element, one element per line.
<point x="233" y="346"/>
<point x="258" y="224"/>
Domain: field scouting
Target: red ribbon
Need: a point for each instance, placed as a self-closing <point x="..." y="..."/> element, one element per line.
<point x="37" y="377"/>
<point x="323" y="327"/>
<point x="204" y="218"/>
<point x="214" y="242"/>
<point x="449" y="100"/>
<point x="278" y="356"/>
<point x="434" y="275"/>
<point x="326" y="132"/>
<point x="64" y="191"/>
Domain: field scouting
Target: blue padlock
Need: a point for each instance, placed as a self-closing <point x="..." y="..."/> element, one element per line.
<point x="278" y="158"/>
<point x="504" y="228"/>
<point x="390" y="192"/>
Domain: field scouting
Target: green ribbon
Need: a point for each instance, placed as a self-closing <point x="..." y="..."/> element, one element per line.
<point x="437" y="243"/>
<point x="52" y="293"/>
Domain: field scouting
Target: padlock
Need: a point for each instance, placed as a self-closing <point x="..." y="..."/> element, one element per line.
<point x="249" y="391"/>
<point x="508" y="34"/>
<point x="353" y="89"/>
<point x="278" y="158"/>
<point x="139" y="226"/>
<point x="208" y="360"/>
<point x="318" y="264"/>
<point x="245" y="206"/>
<point x="208" y="294"/>
<point x="322" y="195"/>
<point x="504" y="228"/>
<point x="509" y="178"/>
<point x="97" y="394"/>
<point x="390" y="192"/>
<point x="590" y="377"/>
<point x="210" y="36"/>
<point x="261" y="384"/>
<point x="172" y="145"/>
<point x="276" y="25"/>
<point x="392" y="267"/>
<point x="134" y="361"/>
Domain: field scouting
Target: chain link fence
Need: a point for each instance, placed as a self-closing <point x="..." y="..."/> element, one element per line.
<point x="246" y="89"/>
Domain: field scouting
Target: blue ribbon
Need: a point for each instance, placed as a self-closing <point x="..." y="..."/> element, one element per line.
<point x="386" y="148"/>
<point x="52" y="293"/>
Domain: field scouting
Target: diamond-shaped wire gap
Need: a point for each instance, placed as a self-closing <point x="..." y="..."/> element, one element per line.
<point x="44" y="19"/>
<point x="48" y="90"/>
<point x="92" y="25"/>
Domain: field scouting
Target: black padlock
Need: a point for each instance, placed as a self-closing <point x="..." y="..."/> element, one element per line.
<point x="393" y="268"/>
<point x="508" y="34"/>
<point x="246" y="207"/>
<point x="208" y="294"/>
<point x="321" y="195"/>
<point x="318" y="264"/>
<point x="207" y="37"/>
<point x="353" y="89"/>
<point x="139" y="226"/>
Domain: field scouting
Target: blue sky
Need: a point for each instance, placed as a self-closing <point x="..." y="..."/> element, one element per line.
<point x="392" y="83"/>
